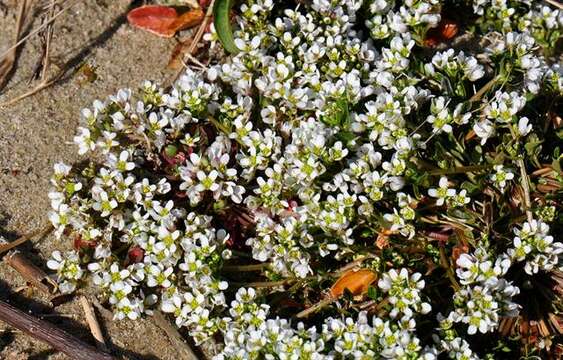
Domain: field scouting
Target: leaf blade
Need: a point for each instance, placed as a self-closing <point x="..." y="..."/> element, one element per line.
<point x="221" y="20"/>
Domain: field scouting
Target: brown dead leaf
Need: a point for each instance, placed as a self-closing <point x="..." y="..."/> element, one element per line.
<point x="356" y="281"/>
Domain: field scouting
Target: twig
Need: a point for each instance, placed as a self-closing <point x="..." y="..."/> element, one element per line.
<point x="353" y="264"/>
<point x="40" y="232"/>
<point x="48" y="37"/>
<point x="47" y="332"/>
<point x="479" y="94"/>
<point x="555" y="3"/>
<point x="316" y="307"/>
<point x="195" y="40"/>
<point x="183" y="349"/>
<point x="526" y="187"/>
<point x="93" y="323"/>
<point x="251" y="267"/>
<point x="448" y="268"/>
<point x="44" y="81"/>
<point x="266" y="284"/>
<point x="33" y="91"/>
<point x="461" y="169"/>
<point x="39" y="28"/>
<point x="30" y="272"/>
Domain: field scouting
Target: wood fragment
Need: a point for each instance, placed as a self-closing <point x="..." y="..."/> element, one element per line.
<point x="30" y="272"/>
<point x="182" y="348"/>
<point x="50" y="334"/>
<point x="22" y="239"/>
<point x="95" y="328"/>
<point x="555" y="3"/>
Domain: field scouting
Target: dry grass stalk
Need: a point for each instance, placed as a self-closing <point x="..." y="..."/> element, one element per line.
<point x="195" y="41"/>
<point x="9" y="58"/>
<point x="45" y="82"/>
<point x="92" y="321"/>
<point x="22" y="239"/>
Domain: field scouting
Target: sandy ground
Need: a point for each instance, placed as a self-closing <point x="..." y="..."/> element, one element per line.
<point x="37" y="132"/>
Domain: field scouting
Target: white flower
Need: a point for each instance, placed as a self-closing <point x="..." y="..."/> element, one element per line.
<point x="443" y="192"/>
<point x="501" y="176"/>
<point x="524" y="127"/>
<point x="484" y="129"/>
<point x="68" y="269"/>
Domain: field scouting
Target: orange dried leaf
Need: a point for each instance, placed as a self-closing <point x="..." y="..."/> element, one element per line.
<point x="163" y="20"/>
<point x="187" y="20"/>
<point x="356" y="281"/>
<point x="446" y="30"/>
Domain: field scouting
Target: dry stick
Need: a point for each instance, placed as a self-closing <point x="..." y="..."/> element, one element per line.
<point x="555" y="3"/>
<point x="353" y="264"/>
<point x="243" y="268"/>
<point x="526" y="188"/>
<point x="33" y="91"/>
<point x="93" y="323"/>
<point x="196" y="39"/>
<point x="183" y="349"/>
<point x="8" y="61"/>
<point x="38" y="29"/>
<point x="316" y="307"/>
<point x="479" y="94"/>
<point x="44" y="82"/>
<point x="41" y="232"/>
<point x="30" y="272"/>
<point x="47" y="332"/>
<point x="461" y="169"/>
<point x="448" y="268"/>
<point x="48" y="37"/>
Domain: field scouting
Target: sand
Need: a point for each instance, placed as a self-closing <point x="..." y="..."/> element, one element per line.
<point x="37" y="132"/>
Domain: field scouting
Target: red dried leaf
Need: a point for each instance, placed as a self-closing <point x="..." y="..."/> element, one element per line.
<point x="356" y="281"/>
<point x="163" y="20"/>
<point x="446" y="30"/>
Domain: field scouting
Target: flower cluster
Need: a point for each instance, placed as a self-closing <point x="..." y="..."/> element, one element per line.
<point x="485" y="294"/>
<point x="334" y="137"/>
<point x="251" y="335"/>
<point x="536" y="247"/>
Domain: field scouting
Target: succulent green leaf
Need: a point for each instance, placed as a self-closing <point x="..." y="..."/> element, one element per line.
<point x="221" y="11"/>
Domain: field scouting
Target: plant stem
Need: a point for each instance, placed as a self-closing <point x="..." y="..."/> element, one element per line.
<point x="448" y="268"/>
<point x="242" y="268"/>
<point x="526" y="187"/>
<point x="462" y="169"/>
<point x="479" y="94"/>
<point x="266" y="284"/>
<point x="315" y="307"/>
<point x="41" y="232"/>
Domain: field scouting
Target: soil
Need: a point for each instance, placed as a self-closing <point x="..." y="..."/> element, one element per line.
<point x="101" y="54"/>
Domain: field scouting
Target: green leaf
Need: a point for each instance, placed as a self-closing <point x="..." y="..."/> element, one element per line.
<point x="372" y="292"/>
<point x="221" y="11"/>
